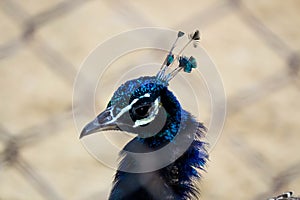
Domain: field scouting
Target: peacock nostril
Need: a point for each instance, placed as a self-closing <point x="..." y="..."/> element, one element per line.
<point x="104" y="117"/>
<point x="108" y="118"/>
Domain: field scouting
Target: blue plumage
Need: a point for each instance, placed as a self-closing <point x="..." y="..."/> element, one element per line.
<point x="175" y="181"/>
<point x="172" y="136"/>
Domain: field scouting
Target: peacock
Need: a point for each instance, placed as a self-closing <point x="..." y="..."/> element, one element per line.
<point x="169" y="152"/>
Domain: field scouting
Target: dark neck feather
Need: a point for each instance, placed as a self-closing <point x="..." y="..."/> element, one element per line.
<point x="174" y="181"/>
<point x="172" y="124"/>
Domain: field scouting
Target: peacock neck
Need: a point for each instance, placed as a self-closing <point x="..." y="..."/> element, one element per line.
<point x="174" y="116"/>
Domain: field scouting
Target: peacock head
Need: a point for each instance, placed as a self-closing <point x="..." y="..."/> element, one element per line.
<point x="144" y="105"/>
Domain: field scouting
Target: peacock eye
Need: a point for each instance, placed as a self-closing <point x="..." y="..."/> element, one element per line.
<point x="142" y="111"/>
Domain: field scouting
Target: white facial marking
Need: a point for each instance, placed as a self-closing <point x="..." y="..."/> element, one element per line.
<point x="145" y="95"/>
<point x="125" y="109"/>
<point x="151" y="117"/>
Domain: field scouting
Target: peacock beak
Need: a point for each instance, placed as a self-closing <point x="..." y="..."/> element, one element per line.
<point x="103" y="122"/>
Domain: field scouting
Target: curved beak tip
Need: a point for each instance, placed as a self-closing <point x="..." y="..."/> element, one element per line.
<point x="101" y="123"/>
<point x="83" y="133"/>
<point x="90" y="128"/>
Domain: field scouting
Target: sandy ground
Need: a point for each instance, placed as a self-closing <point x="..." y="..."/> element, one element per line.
<point x="43" y="43"/>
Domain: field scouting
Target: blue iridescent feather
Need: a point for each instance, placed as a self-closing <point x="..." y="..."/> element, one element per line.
<point x="177" y="180"/>
<point x="146" y="107"/>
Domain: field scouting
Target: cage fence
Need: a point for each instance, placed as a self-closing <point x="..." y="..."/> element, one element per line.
<point x="29" y="23"/>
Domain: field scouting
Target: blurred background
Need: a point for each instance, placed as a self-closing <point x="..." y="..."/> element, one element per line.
<point x="255" y="45"/>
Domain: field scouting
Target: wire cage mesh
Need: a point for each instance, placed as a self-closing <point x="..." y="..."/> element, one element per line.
<point x="254" y="43"/>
